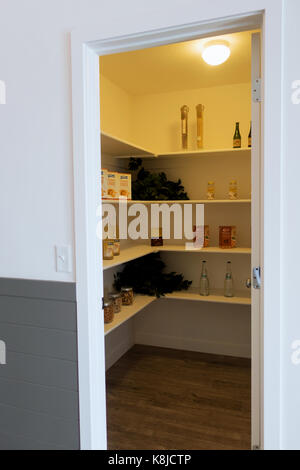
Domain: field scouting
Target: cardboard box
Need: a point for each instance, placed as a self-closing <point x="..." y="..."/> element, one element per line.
<point x="104" y="183"/>
<point x="124" y="186"/>
<point x="113" y="185"/>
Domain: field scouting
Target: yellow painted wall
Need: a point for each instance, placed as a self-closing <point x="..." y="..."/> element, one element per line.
<point x="153" y="121"/>
<point x="115" y="110"/>
<point x="156" y="118"/>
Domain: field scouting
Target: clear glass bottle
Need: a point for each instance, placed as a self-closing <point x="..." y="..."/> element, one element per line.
<point x="184" y="126"/>
<point x="228" y="283"/>
<point x="204" y="282"/>
<point x="199" y="111"/>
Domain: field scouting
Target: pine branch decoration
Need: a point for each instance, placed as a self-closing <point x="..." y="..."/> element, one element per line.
<point x="150" y="186"/>
<point x="146" y="276"/>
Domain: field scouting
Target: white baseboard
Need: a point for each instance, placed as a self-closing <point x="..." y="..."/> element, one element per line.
<point x="189" y="344"/>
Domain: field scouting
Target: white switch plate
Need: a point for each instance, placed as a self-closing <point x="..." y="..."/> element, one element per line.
<point x="63" y="259"/>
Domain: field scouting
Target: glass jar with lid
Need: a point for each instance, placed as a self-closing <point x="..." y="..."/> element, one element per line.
<point x="108" y="249"/>
<point x="127" y="295"/>
<point x="233" y="190"/>
<point x="108" y="311"/>
<point x="210" y="190"/>
<point x="116" y="299"/>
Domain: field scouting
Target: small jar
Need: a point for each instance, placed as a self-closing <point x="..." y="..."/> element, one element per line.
<point x="157" y="237"/>
<point x="116" y="299"/>
<point x="108" y="249"/>
<point x="210" y="190"/>
<point x="127" y="295"/>
<point x="233" y="192"/>
<point x="227" y="237"/>
<point x="108" y="311"/>
<point x="117" y="247"/>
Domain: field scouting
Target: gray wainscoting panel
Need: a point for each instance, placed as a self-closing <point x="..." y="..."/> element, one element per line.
<point x="39" y="385"/>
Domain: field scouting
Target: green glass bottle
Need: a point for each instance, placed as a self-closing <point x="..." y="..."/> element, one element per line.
<point x="237" y="140"/>
<point x="250" y="136"/>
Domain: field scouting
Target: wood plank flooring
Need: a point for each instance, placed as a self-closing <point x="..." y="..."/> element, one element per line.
<point x="176" y="400"/>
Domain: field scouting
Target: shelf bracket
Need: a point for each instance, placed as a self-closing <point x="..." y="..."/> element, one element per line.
<point x="256" y="278"/>
<point x="256" y="91"/>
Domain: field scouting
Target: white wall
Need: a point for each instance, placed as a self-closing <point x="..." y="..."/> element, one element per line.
<point x="195" y="326"/>
<point x="291" y="228"/>
<point x="36" y="142"/>
<point x="36" y="178"/>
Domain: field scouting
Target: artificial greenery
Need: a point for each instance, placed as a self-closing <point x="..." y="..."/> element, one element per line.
<point x="146" y="276"/>
<point x="150" y="186"/>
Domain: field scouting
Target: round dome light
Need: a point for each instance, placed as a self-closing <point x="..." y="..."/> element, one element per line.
<point x="216" y="54"/>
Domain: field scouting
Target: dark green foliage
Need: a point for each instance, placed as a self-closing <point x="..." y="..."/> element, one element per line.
<point x="150" y="186"/>
<point x="146" y="276"/>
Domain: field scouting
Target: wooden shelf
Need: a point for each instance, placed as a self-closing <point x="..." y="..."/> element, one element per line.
<point x="216" y="296"/>
<point x="205" y="152"/>
<point x="140" y="302"/>
<point x="212" y="249"/>
<point x="129" y="254"/>
<point x="189" y="201"/>
<point x="121" y="149"/>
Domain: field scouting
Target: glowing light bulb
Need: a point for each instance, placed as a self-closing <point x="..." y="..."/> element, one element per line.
<point x="216" y="54"/>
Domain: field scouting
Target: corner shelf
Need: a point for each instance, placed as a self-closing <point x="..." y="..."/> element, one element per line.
<point x="140" y="302"/>
<point x="206" y="152"/>
<point x="216" y="297"/>
<point x="187" y="201"/>
<point x="121" y="148"/>
<point x="129" y="254"/>
<point x="212" y="249"/>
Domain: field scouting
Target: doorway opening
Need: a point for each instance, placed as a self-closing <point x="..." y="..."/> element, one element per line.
<point x="179" y="366"/>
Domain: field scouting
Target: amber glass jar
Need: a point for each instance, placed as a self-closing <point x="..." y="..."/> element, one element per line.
<point x="108" y="311"/>
<point x="227" y="237"/>
<point x="127" y="295"/>
<point x="108" y="249"/>
<point x="116" y="299"/>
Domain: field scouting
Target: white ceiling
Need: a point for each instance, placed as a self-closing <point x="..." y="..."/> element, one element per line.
<point x="178" y="66"/>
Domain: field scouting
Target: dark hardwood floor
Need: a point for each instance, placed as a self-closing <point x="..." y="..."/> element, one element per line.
<point x="177" y="400"/>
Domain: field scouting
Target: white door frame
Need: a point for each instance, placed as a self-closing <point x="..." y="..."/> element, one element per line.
<point x="87" y="46"/>
<point x="257" y="250"/>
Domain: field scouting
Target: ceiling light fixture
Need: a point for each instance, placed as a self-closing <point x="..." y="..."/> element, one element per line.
<point x="216" y="53"/>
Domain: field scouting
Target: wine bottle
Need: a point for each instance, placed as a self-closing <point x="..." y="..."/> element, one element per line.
<point x="204" y="283"/>
<point x="250" y="136"/>
<point x="237" y="140"/>
<point x="228" y="283"/>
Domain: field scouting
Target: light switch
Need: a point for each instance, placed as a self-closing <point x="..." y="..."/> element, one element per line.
<point x="63" y="259"/>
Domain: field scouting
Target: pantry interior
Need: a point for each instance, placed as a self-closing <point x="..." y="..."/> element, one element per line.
<point x="141" y="95"/>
